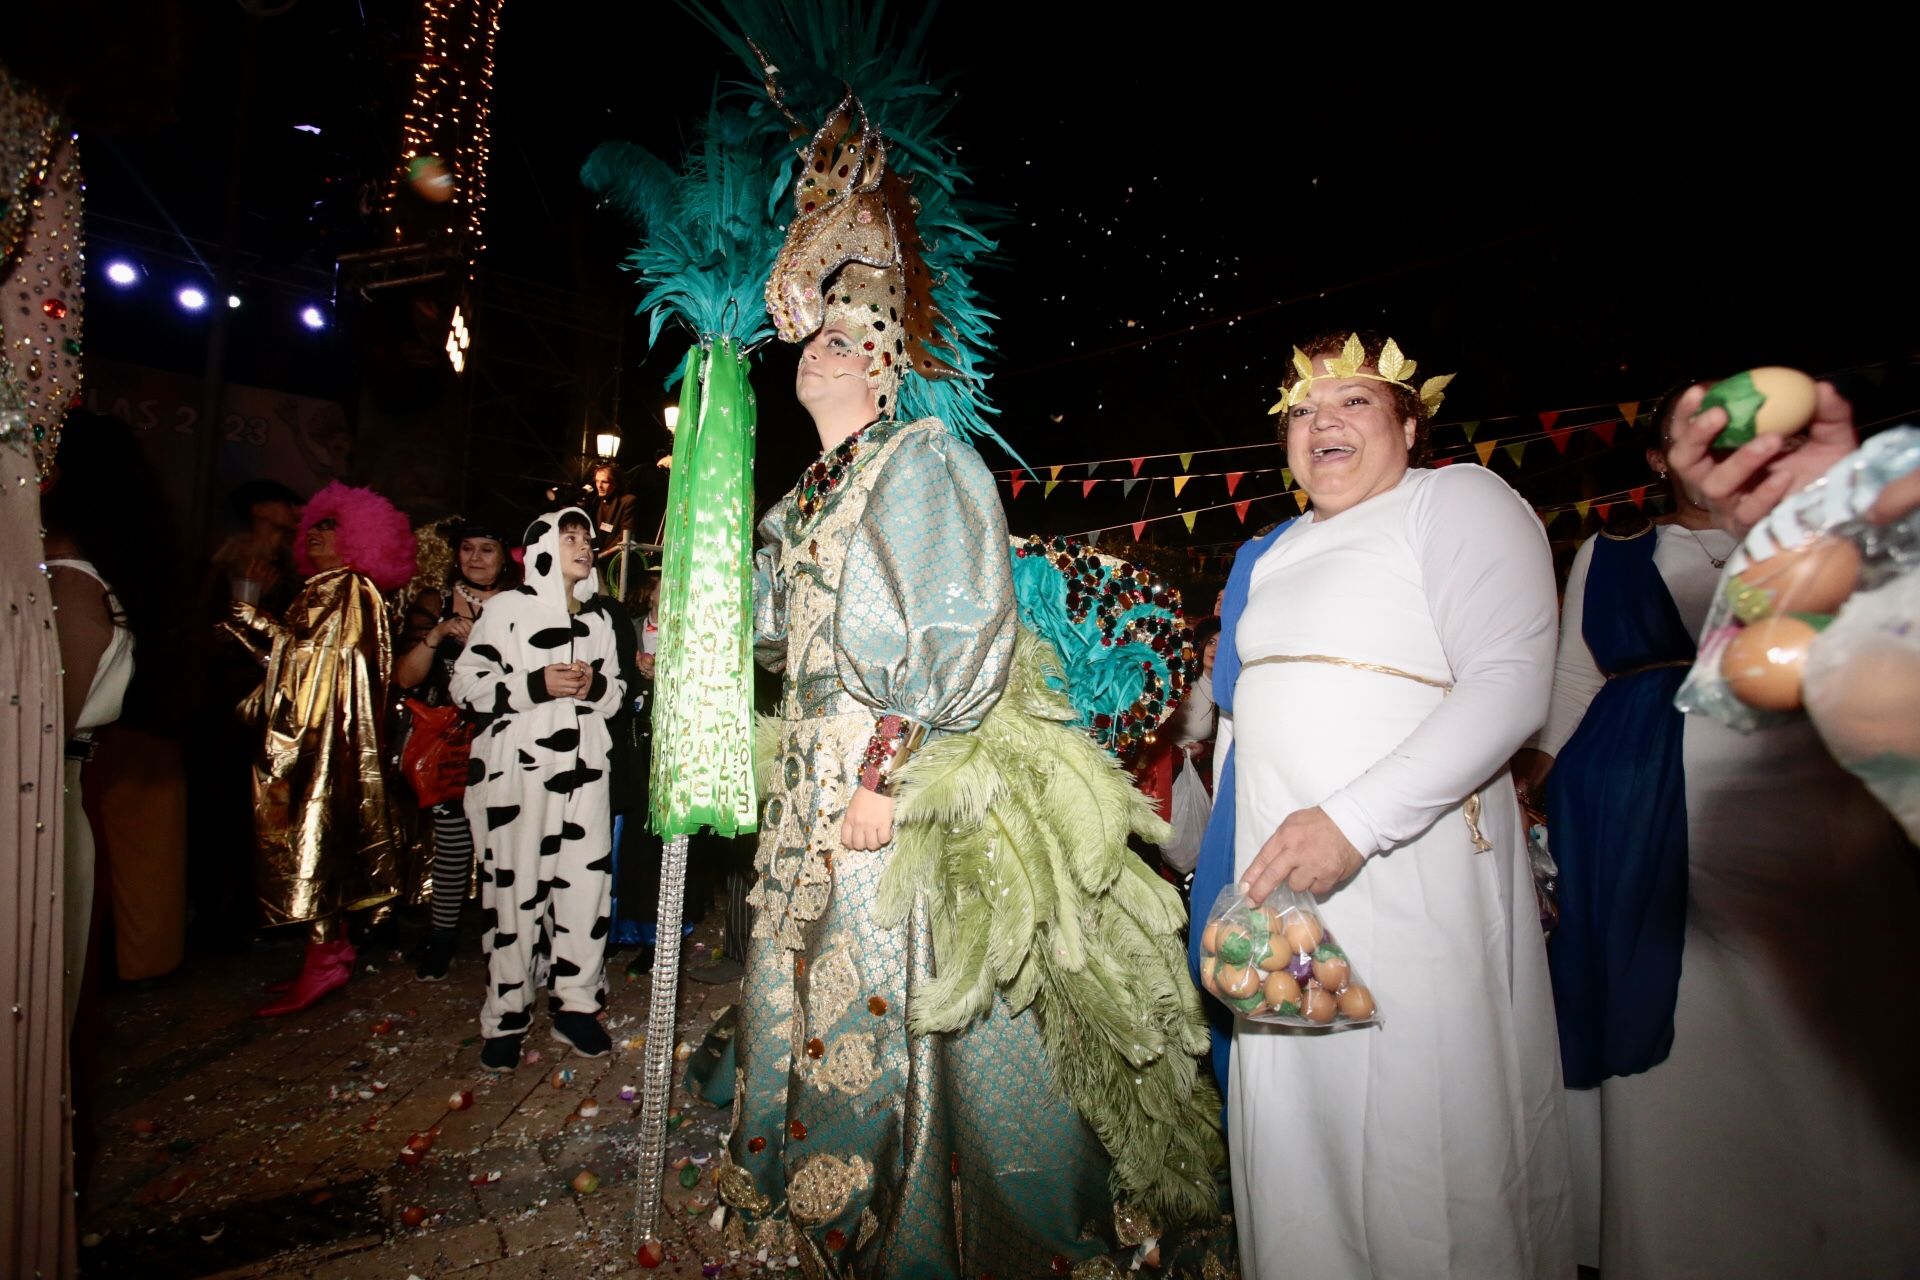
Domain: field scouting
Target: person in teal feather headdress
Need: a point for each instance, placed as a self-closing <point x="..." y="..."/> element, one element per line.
<point x="894" y="1114"/>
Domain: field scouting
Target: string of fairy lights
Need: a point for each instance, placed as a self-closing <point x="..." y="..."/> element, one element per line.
<point x="448" y="117"/>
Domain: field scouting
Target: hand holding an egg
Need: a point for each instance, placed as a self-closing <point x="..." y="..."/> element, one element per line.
<point x="1740" y="488"/>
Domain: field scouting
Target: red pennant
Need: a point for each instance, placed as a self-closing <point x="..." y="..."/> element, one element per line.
<point x="1605" y="431"/>
<point x="1233" y="481"/>
<point x="1240" y="509"/>
<point x="1139" y="526"/>
<point x="1639" y="496"/>
<point x="1602" y="508"/>
<point x="1548" y="418"/>
<point x="1559" y="436"/>
<point x="1019" y="483"/>
<point x="1136" y="464"/>
<point x="1086" y="487"/>
<point x="1442" y="462"/>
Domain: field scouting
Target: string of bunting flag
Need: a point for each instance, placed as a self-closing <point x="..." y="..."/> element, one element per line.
<point x="1553" y="426"/>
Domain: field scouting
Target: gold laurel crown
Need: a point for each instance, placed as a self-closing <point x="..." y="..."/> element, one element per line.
<point x="1393" y="367"/>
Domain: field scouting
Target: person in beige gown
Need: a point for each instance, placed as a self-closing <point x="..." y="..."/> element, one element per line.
<point x="40" y="267"/>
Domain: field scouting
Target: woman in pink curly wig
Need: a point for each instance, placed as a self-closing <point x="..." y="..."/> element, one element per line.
<point x="326" y="845"/>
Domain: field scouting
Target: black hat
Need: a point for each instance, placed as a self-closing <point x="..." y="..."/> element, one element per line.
<point x="459" y="528"/>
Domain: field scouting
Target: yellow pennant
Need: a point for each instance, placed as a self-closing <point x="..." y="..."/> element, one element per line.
<point x="1186" y="460"/>
<point x="1179" y="483"/>
<point x="1053" y="473"/>
<point x="1516" y="450"/>
<point x="1188" y="517"/>
<point x="1051" y="486"/>
<point x="1485" y="449"/>
<point x="1629" y="409"/>
<point x="1582" y="507"/>
<point x="1286" y="476"/>
<point x="1300" y="499"/>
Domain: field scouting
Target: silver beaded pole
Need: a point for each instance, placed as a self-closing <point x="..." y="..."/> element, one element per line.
<point x="658" y="1081"/>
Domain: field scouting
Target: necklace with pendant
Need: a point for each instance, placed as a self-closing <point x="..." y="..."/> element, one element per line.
<point x="1718" y="562"/>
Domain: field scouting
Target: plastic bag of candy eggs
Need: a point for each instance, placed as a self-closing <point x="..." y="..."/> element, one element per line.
<point x="1276" y="961"/>
<point x="1792" y="578"/>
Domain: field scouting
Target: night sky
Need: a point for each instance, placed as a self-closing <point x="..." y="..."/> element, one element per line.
<point x="1565" y="220"/>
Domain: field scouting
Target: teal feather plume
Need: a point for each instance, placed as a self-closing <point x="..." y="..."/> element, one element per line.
<point x="706" y="246"/>
<point x="824" y="47"/>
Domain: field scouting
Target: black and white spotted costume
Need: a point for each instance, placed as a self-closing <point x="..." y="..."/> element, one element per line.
<point x="537" y="793"/>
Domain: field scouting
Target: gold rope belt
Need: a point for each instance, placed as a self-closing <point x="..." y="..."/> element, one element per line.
<point x="1651" y="666"/>
<point x="1470" y="810"/>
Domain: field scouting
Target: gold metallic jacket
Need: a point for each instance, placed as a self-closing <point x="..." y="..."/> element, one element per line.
<point x="320" y="800"/>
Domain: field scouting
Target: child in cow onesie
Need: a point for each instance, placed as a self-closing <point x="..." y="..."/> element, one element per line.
<point x="540" y="670"/>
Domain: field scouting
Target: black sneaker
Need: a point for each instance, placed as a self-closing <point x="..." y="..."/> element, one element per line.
<point x="641" y="965"/>
<point x="438" y="956"/>
<point x="501" y="1053"/>
<point x="584" y="1032"/>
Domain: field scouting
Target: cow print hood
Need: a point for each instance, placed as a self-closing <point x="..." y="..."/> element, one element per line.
<point x="543" y="580"/>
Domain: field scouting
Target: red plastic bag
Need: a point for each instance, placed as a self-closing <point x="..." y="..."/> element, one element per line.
<point x="434" y="761"/>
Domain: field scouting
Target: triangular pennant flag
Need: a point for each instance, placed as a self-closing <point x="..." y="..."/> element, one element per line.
<point x="1019" y="483"/>
<point x="1548" y="516"/>
<point x="1557" y="435"/>
<point x="1053" y="473"/>
<point x="1086" y="487"/>
<point x="1582" y="507"/>
<point x="1233" y="481"/>
<point x="1601" y="508"/>
<point x="1240" y="509"/>
<point x="1468" y="428"/>
<point x="1179" y="483"/>
<point x="1516" y="450"/>
<point x="1630" y="410"/>
<point x="1186" y="460"/>
<point x="1286" y="476"/>
<point x="1485" y="449"/>
<point x="1605" y="431"/>
<point x="1050" y="487"/>
<point x="1442" y="462"/>
<point x="1136" y="464"/>
<point x="1300" y="499"/>
<point x="1139" y="529"/>
<point x="1092" y="467"/>
<point x="1639" y="496"/>
<point x="1188" y="517"/>
<point x="1126" y="486"/>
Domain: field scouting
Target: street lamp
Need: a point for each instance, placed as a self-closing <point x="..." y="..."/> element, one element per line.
<point x="608" y="443"/>
<point x="671" y="416"/>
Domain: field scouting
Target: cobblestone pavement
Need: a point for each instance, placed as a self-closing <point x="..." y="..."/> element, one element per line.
<point x="234" y="1146"/>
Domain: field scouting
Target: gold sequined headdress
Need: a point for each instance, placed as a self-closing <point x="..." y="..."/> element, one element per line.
<point x="853" y="254"/>
<point x="1392" y="367"/>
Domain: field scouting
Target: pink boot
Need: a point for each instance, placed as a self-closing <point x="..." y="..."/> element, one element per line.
<point x="327" y="967"/>
<point x="339" y="951"/>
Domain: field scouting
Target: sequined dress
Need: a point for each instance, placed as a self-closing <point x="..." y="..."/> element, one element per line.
<point x="866" y="1150"/>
